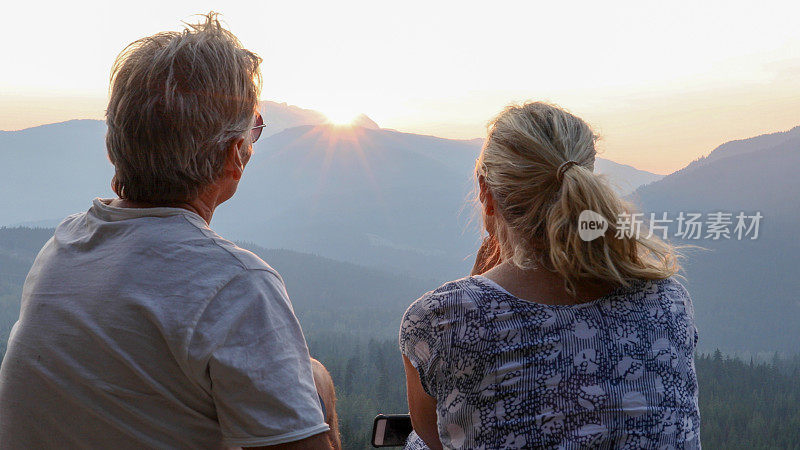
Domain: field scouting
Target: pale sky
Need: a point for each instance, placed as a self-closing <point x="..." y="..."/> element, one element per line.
<point x="662" y="82"/>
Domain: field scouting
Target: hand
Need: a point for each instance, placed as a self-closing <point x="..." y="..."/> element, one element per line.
<point x="488" y="256"/>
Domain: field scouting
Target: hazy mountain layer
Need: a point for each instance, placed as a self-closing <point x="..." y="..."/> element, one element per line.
<point x="624" y="177"/>
<point x="52" y="171"/>
<point x="365" y="195"/>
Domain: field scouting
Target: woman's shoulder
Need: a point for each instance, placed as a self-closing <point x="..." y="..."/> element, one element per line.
<point x="662" y="299"/>
<point x="448" y="303"/>
<point x="667" y="289"/>
<point x="450" y="293"/>
<point x="674" y="285"/>
<point x="670" y="287"/>
<point x="467" y="294"/>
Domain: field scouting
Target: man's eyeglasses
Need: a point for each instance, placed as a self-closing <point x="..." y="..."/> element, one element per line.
<point x="255" y="132"/>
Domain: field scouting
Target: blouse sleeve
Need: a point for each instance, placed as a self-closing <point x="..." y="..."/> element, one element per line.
<point x="690" y="311"/>
<point x="418" y="341"/>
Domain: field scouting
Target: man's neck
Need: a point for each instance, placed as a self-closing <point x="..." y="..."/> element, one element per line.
<point x="200" y="206"/>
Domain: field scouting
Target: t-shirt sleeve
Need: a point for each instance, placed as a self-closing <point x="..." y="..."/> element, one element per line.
<point x="257" y="363"/>
<point x="418" y="341"/>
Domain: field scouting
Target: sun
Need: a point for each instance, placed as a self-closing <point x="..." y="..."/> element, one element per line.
<point x="341" y="116"/>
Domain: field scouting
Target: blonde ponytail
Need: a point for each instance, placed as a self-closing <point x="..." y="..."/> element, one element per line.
<point x="538" y="164"/>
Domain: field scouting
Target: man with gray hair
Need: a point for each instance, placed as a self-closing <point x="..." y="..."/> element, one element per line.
<point x="142" y="328"/>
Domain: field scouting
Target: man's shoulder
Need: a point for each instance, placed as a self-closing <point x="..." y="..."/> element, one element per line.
<point x="247" y="259"/>
<point x="222" y="248"/>
<point x="182" y="239"/>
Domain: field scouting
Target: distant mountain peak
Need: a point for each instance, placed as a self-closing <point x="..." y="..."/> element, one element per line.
<point x="280" y="116"/>
<point x="362" y="120"/>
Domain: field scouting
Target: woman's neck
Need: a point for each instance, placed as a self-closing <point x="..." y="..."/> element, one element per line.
<point x="543" y="286"/>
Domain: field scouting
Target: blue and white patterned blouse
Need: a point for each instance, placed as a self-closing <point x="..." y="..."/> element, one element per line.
<point x="616" y="372"/>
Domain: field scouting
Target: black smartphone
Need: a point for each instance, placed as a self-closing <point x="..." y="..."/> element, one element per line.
<point x="391" y="430"/>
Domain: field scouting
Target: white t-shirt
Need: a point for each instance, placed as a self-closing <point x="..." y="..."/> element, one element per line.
<point x="142" y="328"/>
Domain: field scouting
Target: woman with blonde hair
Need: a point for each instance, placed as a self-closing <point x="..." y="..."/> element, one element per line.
<point x="556" y="340"/>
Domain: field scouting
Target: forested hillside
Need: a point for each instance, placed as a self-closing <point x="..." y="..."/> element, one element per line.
<point x="749" y="405"/>
<point x="337" y="297"/>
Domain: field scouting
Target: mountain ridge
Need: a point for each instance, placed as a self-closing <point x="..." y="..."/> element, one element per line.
<point x="745" y="291"/>
<point x="737" y="147"/>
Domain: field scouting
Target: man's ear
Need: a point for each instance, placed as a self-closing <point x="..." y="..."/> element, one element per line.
<point x="233" y="159"/>
<point x="485" y="196"/>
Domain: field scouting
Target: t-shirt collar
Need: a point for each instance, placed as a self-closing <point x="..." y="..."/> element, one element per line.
<point x="102" y="208"/>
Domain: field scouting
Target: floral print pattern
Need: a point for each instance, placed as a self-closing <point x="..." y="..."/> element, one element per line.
<point x="616" y="372"/>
